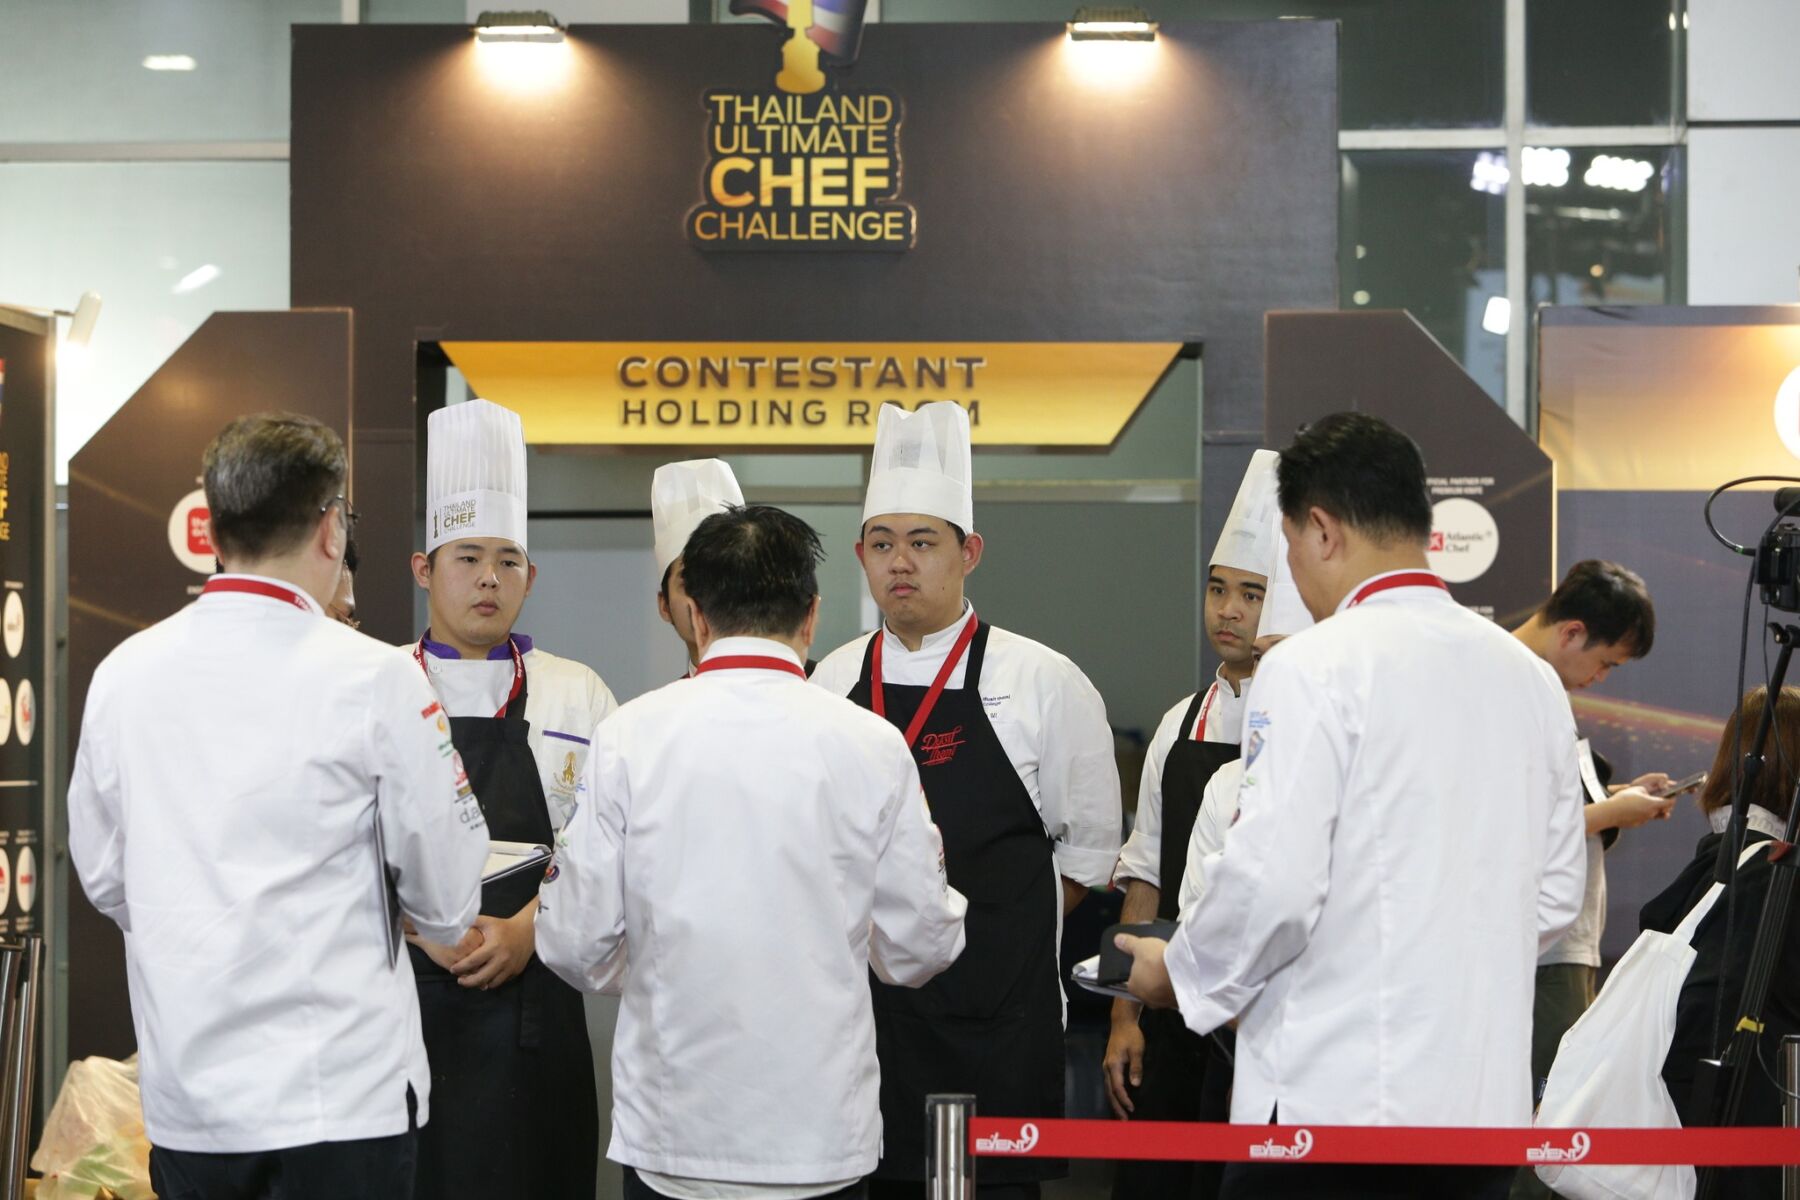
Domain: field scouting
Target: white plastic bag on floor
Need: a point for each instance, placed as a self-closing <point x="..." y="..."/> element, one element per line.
<point x="94" y="1136"/>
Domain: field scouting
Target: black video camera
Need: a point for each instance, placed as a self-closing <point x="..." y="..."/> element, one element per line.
<point x="1778" y="557"/>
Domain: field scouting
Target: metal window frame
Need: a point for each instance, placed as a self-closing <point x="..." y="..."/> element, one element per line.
<point x="1512" y="135"/>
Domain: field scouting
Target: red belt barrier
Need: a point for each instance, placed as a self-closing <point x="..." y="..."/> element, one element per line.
<point x="1014" y="1137"/>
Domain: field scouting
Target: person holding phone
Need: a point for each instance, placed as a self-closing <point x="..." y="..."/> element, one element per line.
<point x="1599" y="618"/>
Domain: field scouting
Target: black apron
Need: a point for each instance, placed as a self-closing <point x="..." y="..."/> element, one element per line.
<point x="1187" y="1077"/>
<point x="992" y="1023"/>
<point x="513" y="1111"/>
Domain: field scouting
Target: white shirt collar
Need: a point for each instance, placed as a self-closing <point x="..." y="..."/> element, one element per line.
<point x="283" y="584"/>
<point x="1759" y="818"/>
<point x="754" y="647"/>
<point x="932" y="643"/>
<point x="1226" y="691"/>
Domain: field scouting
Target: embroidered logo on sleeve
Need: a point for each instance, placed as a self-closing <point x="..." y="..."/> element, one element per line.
<point x="1253" y="745"/>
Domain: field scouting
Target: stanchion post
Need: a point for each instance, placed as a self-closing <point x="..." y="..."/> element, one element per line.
<point x="949" y="1167"/>
<point x="1790" y="1109"/>
<point x="15" y="1107"/>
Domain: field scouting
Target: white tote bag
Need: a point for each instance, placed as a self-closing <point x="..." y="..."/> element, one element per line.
<point x="1608" y="1069"/>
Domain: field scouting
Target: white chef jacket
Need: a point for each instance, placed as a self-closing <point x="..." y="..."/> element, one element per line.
<point x="756" y="846"/>
<point x="1049" y="719"/>
<point x="1218" y="809"/>
<point x="1409" y="836"/>
<point x="222" y="812"/>
<point x="564" y="700"/>
<point x="1142" y="856"/>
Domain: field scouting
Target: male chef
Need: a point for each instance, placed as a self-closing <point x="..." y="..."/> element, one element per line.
<point x="753" y="847"/>
<point x="508" y="1041"/>
<point x="1157" y="1069"/>
<point x="1409" y="836"/>
<point x="251" y="775"/>
<point x="1017" y="758"/>
<point x="683" y="494"/>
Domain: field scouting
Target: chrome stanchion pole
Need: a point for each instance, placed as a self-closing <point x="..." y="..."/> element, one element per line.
<point x="23" y="1075"/>
<point x="1790" y="1108"/>
<point x="13" y="967"/>
<point x="949" y="1167"/>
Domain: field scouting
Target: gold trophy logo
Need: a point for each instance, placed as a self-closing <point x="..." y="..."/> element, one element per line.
<point x="800" y="71"/>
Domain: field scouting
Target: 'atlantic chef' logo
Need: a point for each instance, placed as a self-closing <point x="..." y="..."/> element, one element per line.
<point x="801" y="167"/>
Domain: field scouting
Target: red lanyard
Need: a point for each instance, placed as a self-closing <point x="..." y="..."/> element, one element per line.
<point x="1206" y="707"/>
<point x="1398" y="580"/>
<point x="749" y="662"/>
<point x="518" y="672"/>
<point x="937" y="685"/>
<point x="255" y="587"/>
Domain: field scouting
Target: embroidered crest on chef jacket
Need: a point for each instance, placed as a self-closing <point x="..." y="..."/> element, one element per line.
<point x="1253" y="745"/>
<point x="561" y="787"/>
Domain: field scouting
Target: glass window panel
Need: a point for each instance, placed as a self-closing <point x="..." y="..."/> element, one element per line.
<point x="419" y="12"/>
<point x="1425" y="230"/>
<point x="1604" y="236"/>
<point x="1600" y="62"/>
<point x="1403" y="63"/>
<point x="165" y="245"/>
<point x="73" y="70"/>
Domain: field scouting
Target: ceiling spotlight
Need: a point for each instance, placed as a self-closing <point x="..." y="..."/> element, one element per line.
<point x="533" y="26"/>
<point x="1100" y="23"/>
<point x="1490" y="174"/>
<point x="1545" y="167"/>
<point x="169" y="62"/>
<point x="1618" y="174"/>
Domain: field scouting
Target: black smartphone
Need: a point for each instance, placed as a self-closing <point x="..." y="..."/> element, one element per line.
<point x="1682" y="787"/>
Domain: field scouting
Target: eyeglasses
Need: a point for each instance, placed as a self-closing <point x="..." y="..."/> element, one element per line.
<point x="351" y="516"/>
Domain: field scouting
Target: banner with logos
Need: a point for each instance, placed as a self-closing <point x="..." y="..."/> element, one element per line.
<point x="26" y="594"/>
<point x="1645" y="411"/>
<point x="1491" y="487"/>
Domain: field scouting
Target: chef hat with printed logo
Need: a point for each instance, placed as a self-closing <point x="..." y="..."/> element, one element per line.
<point x="923" y="464"/>
<point x="474" y="474"/>
<point x="682" y="495"/>
<point x="1247" y="542"/>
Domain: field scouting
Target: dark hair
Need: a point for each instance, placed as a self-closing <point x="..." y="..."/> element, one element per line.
<point x="1611" y="601"/>
<point x="352" y="559"/>
<point x="1774" y="786"/>
<point x="268" y="476"/>
<point x="1362" y="471"/>
<point x="753" y="570"/>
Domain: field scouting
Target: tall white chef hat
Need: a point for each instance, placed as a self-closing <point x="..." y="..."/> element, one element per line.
<point x="923" y="464"/>
<point x="474" y="474"/>
<point x="1283" y="612"/>
<point x="1247" y="542"/>
<point x="682" y="495"/>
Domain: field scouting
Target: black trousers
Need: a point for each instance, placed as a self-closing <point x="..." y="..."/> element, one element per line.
<point x="637" y="1189"/>
<point x="1187" y="1077"/>
<point x="1330" y="1181"/>
<point x="370" y="1169"/>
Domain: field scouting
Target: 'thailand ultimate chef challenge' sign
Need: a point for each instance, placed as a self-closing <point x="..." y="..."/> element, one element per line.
<point x="810" y="394"/>
<point x="800" y="167"/>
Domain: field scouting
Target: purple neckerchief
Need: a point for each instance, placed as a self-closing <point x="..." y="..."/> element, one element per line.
<point x="439" y="650"/>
